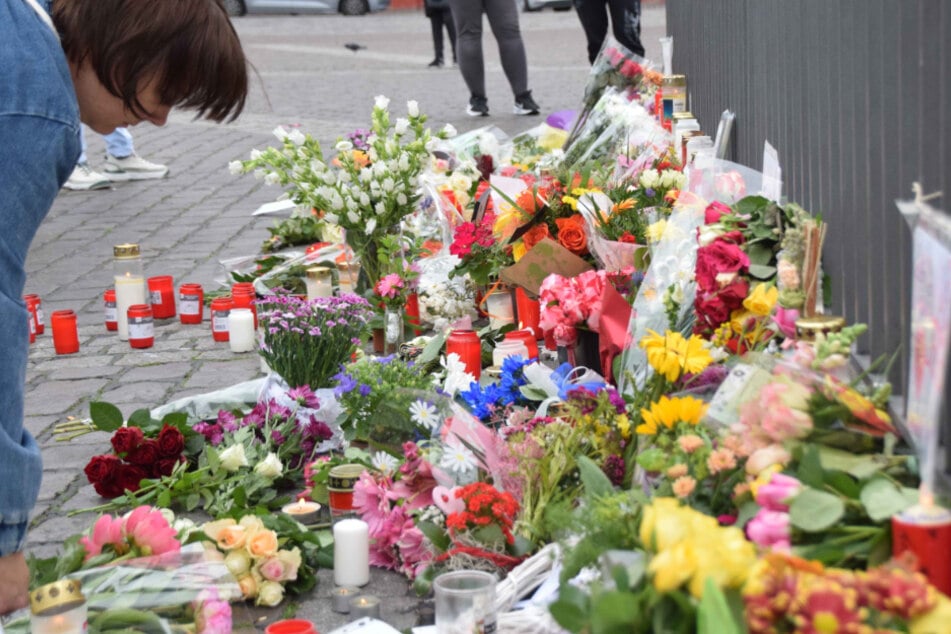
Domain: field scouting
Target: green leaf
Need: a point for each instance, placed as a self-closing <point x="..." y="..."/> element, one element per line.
<point x="810" y="470"/>
<point x="747" y="512"/>
<point x="814" y="511"/>
<point x="164" y="499"/>
<point x="842" y="482"/>
<point x="751" y="205"/>
<point x="105" y="416"/>
<point x="433" y="348"/>
<point x="859" y="466"/>
<point x="596" y="483"/>
<point x="613" y="612"/>
<point x="141" y="418"/>
<point x="191" y="502"/>
<point x="762" y="271"/>
<point x="760" y="255"/>
<point x="240" y="497"/>
<point x="177" y="419"/>
<point x="569" y="615"/>
<point x="435" y="534"/>
<point x="882" y="499"/>
<point x="714" y="615"/>
<point x="823" y="553"/>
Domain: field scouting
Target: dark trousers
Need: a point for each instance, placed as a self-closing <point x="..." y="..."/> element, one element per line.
<point x="625" y="19"/>
<point x="438" y="19"/>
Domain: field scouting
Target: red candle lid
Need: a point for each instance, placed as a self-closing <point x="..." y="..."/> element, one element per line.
<point x="291" y="626"/>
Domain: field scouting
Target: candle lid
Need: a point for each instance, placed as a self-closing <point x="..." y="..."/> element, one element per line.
<point x="128" y="250"/>
<point x="675" y="80"/>
<point x="57" y="597"/>
<point x="316" y="272"/>
<point x="808" y="327"/>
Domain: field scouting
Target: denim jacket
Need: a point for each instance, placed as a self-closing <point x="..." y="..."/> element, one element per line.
<point x="39" y="146"/>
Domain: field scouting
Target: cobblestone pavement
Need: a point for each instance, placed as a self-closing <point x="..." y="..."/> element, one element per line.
<point x="200" y="214"/>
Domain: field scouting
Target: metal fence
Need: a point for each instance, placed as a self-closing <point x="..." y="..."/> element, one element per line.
<point x="854" y="94"/>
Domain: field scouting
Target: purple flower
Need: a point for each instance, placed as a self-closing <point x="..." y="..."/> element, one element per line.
<point x="345" y="384"/>
<point x="212" y="432"/>
<point x="277" y="437"/>
<point x="614" y="468"/>
<point x="317" y="429"/>
<point x="649" y="192"/>
<point x="226" y="418"/>
<point x="365" y="389"/>
<point x="277" y="411"/>
<point x="617" y="400"/>
<point x="303" y="395"/>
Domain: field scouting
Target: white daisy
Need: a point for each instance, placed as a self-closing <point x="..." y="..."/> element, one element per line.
<point x="384" y="462"/>
<point x="458" y="460"/>
<point x="424" y="414"/>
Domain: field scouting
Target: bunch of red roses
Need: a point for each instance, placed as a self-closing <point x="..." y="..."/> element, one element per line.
<point x="721" y="266"/>
<point x="135" y="458"/>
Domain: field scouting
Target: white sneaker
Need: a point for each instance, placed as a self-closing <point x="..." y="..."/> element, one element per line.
<point x="84" y="178"/>
<point x="133" y="168"/>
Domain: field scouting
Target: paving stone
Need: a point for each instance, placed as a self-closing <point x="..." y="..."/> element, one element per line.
<point x="36" y="425"/>
<point x="74" y="361"/>
<point x="157" y="371"/>
<point x="148" y="358"/>
<point x="55" y="481"/>
<point x="71" y="455"/>
<point x="213" y="375"/>
<point x="141" y="394"/>
<point x="57" y="397"/>
<point x="84" y="372"/>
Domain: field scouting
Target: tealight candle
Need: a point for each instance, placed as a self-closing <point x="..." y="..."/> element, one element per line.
<point x="351" y="553"/>
<point x="341" y="596"/>
<point x="241" y="330"/>
<point x="319" y="281"/>
<point x="304" y="511"/>
<point x="366" y="605"/>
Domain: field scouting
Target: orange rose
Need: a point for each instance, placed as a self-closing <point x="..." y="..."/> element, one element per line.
<point x="262" y="543"/>
<point x="232" y="537"/>
<point x="535" y="235"/>
<point x="249" y="586"/>
<point x="571" y="234"/>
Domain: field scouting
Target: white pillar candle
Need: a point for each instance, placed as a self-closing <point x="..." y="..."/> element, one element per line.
<point x="319" y="281"/>
<point x="498" y="305"/>
<point x="351" y="553"/>
<point x="241" y="330"/>
<point x="130" y="290"/>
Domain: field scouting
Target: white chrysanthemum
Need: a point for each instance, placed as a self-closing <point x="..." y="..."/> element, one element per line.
<point x="235" y="167"/>
<point x="458" y="460"/>
<point x="280" y="133"/>
<point x="412" y="108"/>
<point x="255" y="154"/>
<point x="457" y="378"/>
<point x="424" y="414"/>
<point x="384" y="462"/>
<point x="381" y="102"/>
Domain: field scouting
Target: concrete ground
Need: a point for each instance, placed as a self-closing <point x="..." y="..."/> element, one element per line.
<point x="200" y="214"/>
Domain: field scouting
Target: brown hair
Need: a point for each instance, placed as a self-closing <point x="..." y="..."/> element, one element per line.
<point x="189" y="46"/>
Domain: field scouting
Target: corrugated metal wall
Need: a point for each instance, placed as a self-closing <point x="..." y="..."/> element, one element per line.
<point x="854" y="94"/>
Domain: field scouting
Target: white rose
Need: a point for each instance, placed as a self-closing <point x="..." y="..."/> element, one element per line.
<point x="270" y="593"/>
<point x="412" y="108"/>
<point x="344" y="146"/>
<point x="296" y="137"/>
<point x="238" y="562"/>
<point x="449" y="130"/>
<point x="270" y="467"/>
<point x="280" y="133"/>
<point x="381" y="102"/>
<point x="233" y="458"/>
<point x="402" y="125"/>
<point x="235" y="167"/>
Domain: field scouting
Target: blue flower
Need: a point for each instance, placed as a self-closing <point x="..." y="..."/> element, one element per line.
<point x="365" y="389"/>
<point x="345" y="384"/>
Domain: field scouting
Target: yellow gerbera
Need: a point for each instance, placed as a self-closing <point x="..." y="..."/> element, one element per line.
<point x="672" y="355"/>
<point x="667" y="413"/>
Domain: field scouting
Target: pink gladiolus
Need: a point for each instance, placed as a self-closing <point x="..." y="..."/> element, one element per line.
<point x="769" y="529"/>
<point x="106" y="530"/>
<point x="774" y="494"/>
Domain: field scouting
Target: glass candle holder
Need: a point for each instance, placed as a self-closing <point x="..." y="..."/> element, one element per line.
<point x="319" y="281"/>
<point x="109" y="306"/>
<point x="465" y="602"/>
<point x="340" y="598"/>
<point x="129" y="283"/>
<point x="35" y="306"/>
<point x="162" y="295"/>
<point x="141" y="326"/>
<point x="243" y="295"/>
<point x="468" y="346"/>
<point x="220" y="310"/>
<point x="366" y="605"/>
<point x="58" y="608"/>
<point x="499" y="308"/>
<point x="191" y="303"/>
<point x="528" y="311"/>
<point x="303" y="511"/>
<point x="65" y="332"/>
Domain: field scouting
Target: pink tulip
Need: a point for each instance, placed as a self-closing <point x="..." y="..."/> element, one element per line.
<point x="106" y="530"/>
<point x="775" y="494"/>
<point x="148" y="529"/>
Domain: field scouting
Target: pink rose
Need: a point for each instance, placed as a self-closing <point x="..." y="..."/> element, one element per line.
<point x="769" y="529"/>
<point x="785" y="319"/>
<point x="714" y="212"/>
<point x="148" y="529"/>
<point x="106" y="530"/>
<point x="776" y="493"/>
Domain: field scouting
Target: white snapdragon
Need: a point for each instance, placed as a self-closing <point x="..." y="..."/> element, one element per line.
<point x="402" y="125"/>
<point x="380" y="208"/>
<point x="381" y="102"/>
<point x="449" y="131"/>
<point x="272" y="178"/>
<point x="255" y="154"/>
<point x="388" y="184"/>
<point x="353" y="217"/>
<point x="364" y="199"/>
<point x="235" y="167"/>
<point x="403" y="163"/>
<point x="280" y="132"/>
<point x="401" y="199"/>
<point x="412" y="108"/>
<point x="296" y="137"/>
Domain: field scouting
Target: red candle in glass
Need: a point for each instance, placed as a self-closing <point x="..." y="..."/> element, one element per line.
<point x="291" y="626"/>
<point x="190" y="303"/>
<point x="467" y="345"/>
<point x="141" y="326"/>
<point x="243" y="296"/>
<point x="35" y="305"/>
<point x="528" y="312"/>
<point x="220" y="309"/>
<point x="31" y="324"/>
<point x="109" y="303"/>
<point x="412" y="312"/>
<point x="162" y="296"/>
<point x="526" y="337"/>
<point x="65" y="332"/>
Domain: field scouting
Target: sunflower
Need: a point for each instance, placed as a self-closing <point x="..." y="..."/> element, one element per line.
<point x="667" y="413"/>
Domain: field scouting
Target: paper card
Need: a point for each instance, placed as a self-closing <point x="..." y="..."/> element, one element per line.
<point x="772" y="174"/>
<point x="543" y="259"/>
<point x="277" y="207"/>
<point x="742" y="384"/>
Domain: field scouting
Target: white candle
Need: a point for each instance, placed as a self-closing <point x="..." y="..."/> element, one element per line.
<point x="498" y="305"/>
<point x="351" y="553"/>
<point x="241" y="330"/>
<point x="304" y="511"/>
<point x="319" y="281"/>
<point x="340" y="598"/>
<point x="508" y="348"/>
<point x="130" y="290"/>
<point x="367" y="605"/>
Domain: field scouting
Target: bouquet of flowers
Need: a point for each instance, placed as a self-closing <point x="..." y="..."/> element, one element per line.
<point x="306" y="341"/>
<point x="571" y="303"/>
<point x="366" y="192"/>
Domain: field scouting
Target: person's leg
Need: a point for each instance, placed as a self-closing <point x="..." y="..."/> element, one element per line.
<point x="119" y="143"/>
<point x="85" y="178"/>
<point x="467" y="15"/>
<point x="123" y="164"/>
<point x="626" y="24"/>
<point x="446" y="16"/>
<point x="435" y="23"/>
<point x="82" y="143"/>
<point x="593" y="16"/>
<point x="503" y="18"/>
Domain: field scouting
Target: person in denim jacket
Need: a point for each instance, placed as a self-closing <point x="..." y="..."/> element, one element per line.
<point x="109" y="63"/>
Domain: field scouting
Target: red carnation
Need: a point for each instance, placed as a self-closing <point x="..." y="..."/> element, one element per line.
<point x="130" y="476"/>
<point x="125" y="439"/>
<point x="171" y="442"/>
<point x="145" y="455"/>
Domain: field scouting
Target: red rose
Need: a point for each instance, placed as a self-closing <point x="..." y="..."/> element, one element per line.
<point x="711" y="312"/>
<point x="714" y="212"/>
<point x="716" y="258"/>
<point x="145" y="455"/>
<point x="171" y="443"/>
<point x="125" y="439"/>
<point x="108" y="490"/>
<point x="102" y="468"/>
<point x="165" y="466"/>
<point x="628" y="238"/>
<point x="733" y="294"/>
<point x="130" y="477"/>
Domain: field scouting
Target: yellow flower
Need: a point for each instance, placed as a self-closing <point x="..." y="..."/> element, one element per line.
<point x="662" y="525"/>
<point x="656" y="231"/>
<point x="672" y="356"/>
<point x="623" y="425"/>
<point x="518" y="250"/>
<point x="507" y="222"/>
<point x="762" y="300"/>
<point x="668" y="412"/>
<point x="673" y="567"/>
<point x="571" y="201"/>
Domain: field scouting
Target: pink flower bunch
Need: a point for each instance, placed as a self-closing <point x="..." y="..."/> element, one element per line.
<point x="571" y="303"/>
<point x="770" y="527"/>
<point x="143" y="532"/>
<point x="386" y="506"/>
<point x="780" y="412"/>
<point x="212" y="614"/>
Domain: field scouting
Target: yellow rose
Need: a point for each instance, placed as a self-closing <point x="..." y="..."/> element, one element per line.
<point x="238" y="562"/>
<point x="252" y="522"/>
<point x="762" y="300"/>
<point x="213" y="529"/>
<point x="662" y="525"/>
<point x="262" y="543"/>
<point x="270" y="593"/>
<point x="936" y="621"/>
<point x="226" y="533"/>
<point x="249" y="587"/>
<point x="672" y="568"/>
